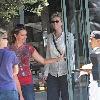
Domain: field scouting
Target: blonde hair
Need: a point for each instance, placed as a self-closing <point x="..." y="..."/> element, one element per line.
<point x="56" y="14"/>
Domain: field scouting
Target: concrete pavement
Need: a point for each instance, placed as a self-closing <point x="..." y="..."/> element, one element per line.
<point x="40" y="95"/>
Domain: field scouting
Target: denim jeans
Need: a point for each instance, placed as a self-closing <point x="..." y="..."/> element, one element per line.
<point x="57" y="86"/>
<point x="28" y="92"/>
<point x="8" y="95"/>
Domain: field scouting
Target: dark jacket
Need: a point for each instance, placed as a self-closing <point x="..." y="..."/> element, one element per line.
<point x="95" y="59"/>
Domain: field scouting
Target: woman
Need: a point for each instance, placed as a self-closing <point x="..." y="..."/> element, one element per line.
<point x="56" y="73"/>
<point x="24" y="53"/>
<point x="8" y="70"/>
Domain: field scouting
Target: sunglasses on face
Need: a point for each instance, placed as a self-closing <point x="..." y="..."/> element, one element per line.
<point x="56" y="21"/>
<point x="5" y="38"/>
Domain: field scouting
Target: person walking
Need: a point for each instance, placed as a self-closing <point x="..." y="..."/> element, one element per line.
<point x="24" y="52"/>
<point x="56" y="73"/>
<point x="8" y="70"/>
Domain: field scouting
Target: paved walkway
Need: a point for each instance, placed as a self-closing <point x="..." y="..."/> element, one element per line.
<point x="79" y="94"/>
<point x="40" y="96"/>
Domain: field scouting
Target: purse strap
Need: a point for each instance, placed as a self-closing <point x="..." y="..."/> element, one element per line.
<point x="2" y="57"/>
<point x="56" y="45"/>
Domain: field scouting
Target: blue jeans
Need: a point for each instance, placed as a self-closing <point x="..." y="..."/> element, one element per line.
<point x="57" y="86"/>
<point x="28" y="92"/>
<point x="8" y="95"/>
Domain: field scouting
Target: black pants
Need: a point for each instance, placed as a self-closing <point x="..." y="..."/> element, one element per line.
<point x="55" y="86"/>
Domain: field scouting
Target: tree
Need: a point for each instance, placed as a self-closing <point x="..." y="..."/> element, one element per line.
<point x="9" y="9"/>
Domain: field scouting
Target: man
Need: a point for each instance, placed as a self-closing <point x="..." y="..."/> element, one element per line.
<point x="94" y="88"/>
<point x="56" y="73"/>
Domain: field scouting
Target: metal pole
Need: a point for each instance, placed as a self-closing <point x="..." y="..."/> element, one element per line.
<point x="69" y="78"/>
<point x="87" y="22"/>
<point x="85" y="28"/>
<point x="76" y="17"/>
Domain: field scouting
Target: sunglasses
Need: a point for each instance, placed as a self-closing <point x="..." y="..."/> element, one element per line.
<point x="56" y="21"/>
<point x="5" y="38"/>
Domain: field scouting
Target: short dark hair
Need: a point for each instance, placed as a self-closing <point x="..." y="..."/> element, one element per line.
<point x="95" y="34"/>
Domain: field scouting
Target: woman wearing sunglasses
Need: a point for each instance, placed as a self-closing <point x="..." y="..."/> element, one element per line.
<point x="56" y="73"/>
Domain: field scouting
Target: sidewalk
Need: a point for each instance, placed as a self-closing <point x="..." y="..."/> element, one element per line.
<point x="40" y="95"/>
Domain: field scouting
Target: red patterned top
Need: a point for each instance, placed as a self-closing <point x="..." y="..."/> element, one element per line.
<point x="24" y="54"/>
